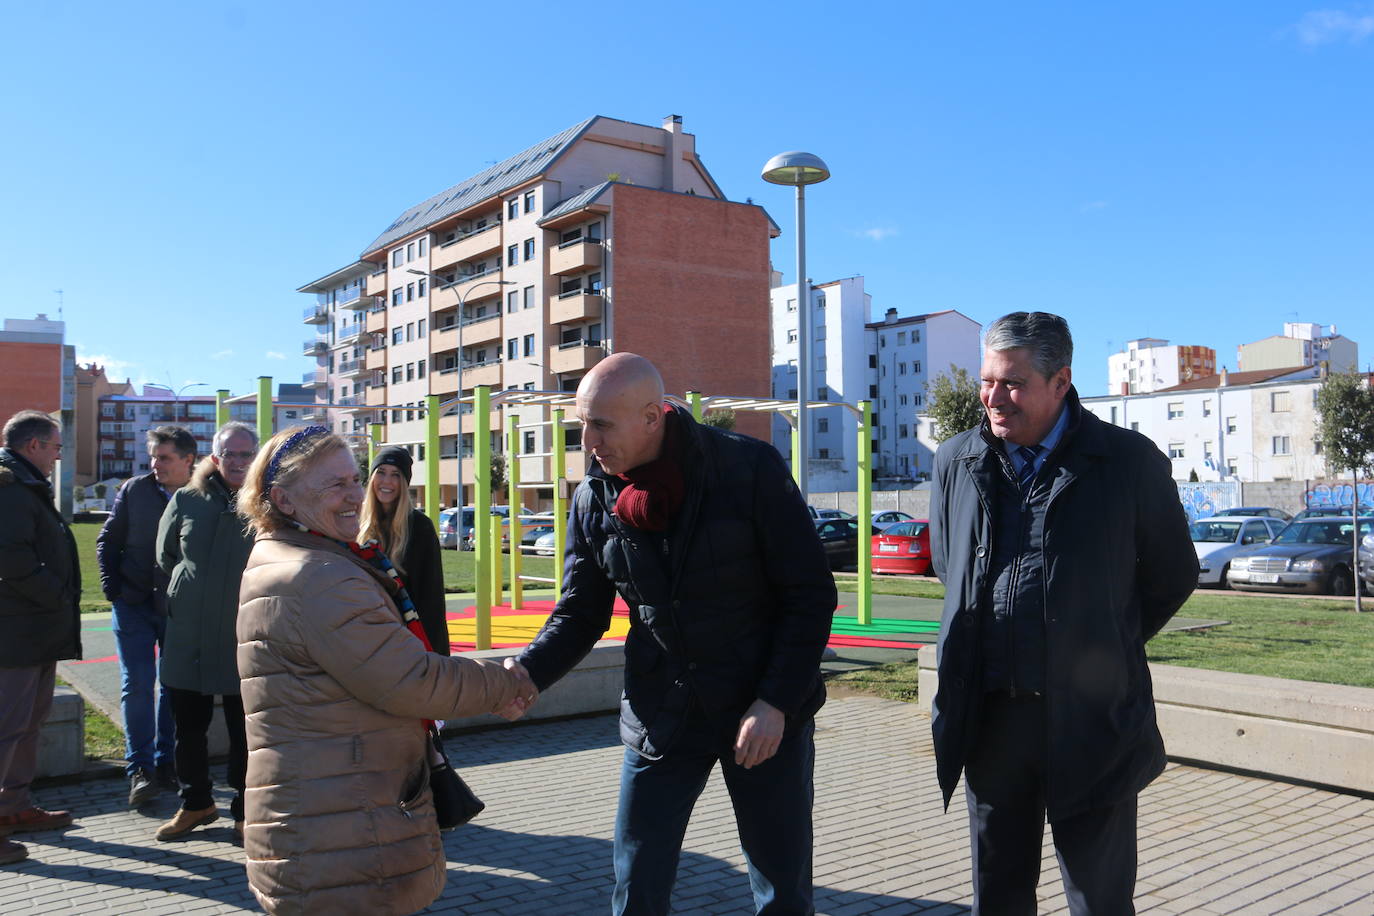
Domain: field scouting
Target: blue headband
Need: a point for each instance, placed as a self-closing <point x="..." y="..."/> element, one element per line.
<point x="291" y="444"/>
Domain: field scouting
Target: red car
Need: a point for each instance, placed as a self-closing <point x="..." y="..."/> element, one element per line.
<point x="903" y="548"/>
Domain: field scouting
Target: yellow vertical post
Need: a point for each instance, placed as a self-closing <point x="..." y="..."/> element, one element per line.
<point x="517" y="527"/>
<point x="264" y="408"/>
<point x="694" y="402"/>
<point x="374" y="440"/>
<point x="481" y="510"/>
<point x="432" y="459"/>
<point x="221" y="408"/>
<point x="560" y="501"/>
<point x="865" y="472"/>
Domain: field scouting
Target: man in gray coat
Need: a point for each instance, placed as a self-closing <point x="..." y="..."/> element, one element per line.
<point x="203" y="545"/>
<point x="1063" y="547"/>
<point x="40" y="594"/>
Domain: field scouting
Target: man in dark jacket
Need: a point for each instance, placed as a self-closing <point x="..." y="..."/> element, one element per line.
<point x="40" y="600"/>
<point x="1063" y="547"/>
<point x="705" y="536"/>
<point x="131" y="580"/>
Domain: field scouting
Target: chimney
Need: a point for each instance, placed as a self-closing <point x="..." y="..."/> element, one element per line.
<point x="1223" y="381"/>
<point x="672" y="151"/>
<point x="890" y="317"/>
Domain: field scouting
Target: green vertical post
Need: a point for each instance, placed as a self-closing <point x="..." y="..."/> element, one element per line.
<point x="560" y="501"/>
<point x="221" y="408"/>
<point x="374" y="440"/>
<point x="796" y="448"/>
<point x="481" y="509"/>
<point x="264" y="408"/>
<point x="432" y="506"/>
<point x="497" y="591"/>
<point x="865" y="472"/>
<point x="517" y="527"/>
<point x="694" y="401"/>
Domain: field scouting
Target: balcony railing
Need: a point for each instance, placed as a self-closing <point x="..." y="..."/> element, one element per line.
<point x="315" y="347"/>
<point x="350" y="332"/>
<point x="314" y="314"/>
<point x="470" y="233"/>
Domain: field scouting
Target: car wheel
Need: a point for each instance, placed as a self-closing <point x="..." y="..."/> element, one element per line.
<point x="1341" y="582"/>
<point x="1225" y="580"/>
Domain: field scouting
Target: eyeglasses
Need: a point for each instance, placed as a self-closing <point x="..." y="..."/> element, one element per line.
<point x="238" y="456"/>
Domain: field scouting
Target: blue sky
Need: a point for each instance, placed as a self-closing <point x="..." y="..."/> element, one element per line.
<point x="1195" y="171"/>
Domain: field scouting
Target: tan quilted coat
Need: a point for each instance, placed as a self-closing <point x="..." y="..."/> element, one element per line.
<point x="338" y="812"/>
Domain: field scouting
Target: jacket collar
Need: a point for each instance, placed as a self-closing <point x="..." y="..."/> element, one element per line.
<point x="23" y="470"/>
<point x="1084" y="435"/>
<point x="692" y="450"/>
<point x="314" y="542"/>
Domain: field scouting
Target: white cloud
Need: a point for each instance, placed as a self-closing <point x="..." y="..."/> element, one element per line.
<point x="273" y="354"/>
<point x="877" y="233"/>
<point x="1321" y="27"/>
<point x="222" y="354"/>
<point x="1092" y="205"/>
<point x="114" y="367"/>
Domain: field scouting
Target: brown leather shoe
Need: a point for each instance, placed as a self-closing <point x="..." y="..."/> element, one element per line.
<point x="34" y="819"/>
<point x="11" y="852"/>
<point x="186" y="821"/>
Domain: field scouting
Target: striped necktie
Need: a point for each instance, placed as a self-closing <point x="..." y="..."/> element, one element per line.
<point x="1027" y="454"/>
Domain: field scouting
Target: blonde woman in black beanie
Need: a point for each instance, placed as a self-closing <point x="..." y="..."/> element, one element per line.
<point x="407" y="537"/>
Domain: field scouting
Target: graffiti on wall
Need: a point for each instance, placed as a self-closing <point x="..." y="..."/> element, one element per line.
<point x="1201" y="500"/>
<point x="1335" y="495"/>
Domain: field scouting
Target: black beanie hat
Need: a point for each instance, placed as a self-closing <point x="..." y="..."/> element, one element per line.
<point x="394" y="455"/>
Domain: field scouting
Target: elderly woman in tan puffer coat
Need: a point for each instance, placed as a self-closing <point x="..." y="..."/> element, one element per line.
<point x="339" y="817"/>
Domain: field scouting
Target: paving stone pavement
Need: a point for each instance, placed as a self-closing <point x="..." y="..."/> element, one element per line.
<point x="1210" y="842"/>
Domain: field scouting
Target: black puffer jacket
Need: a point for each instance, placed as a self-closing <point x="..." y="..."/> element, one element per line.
<point x="40" y="575"/>
<point x="126" y="546"/>
<point x="1117" y="564"/>
<point x="733" y="605"/>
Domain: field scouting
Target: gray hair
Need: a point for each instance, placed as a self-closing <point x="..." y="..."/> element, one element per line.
<point x="28" y="425"/>
<point x="227" y="430"/>
<point x="179" y="436"/>
<point x="1043" y="335"/>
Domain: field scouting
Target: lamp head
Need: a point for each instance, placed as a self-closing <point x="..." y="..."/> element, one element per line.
<point x="795" y="168"/>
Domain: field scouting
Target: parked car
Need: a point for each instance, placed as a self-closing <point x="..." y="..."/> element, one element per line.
<point x="1220" y="538"/>
<point x="840" y="538"/>
<point x="543" y="545"/>
<point x="1325" y="512"/>
<point x="1367" y="562"/>
<point x="1310" y="555"/>
<point x="455" y="526"/>
<point x="1257" y="512"/>
<point x="903" y="548"/>
<point x="529" y="536"/>
<point x="828" y="513"/>
<point x="891" y="517"/>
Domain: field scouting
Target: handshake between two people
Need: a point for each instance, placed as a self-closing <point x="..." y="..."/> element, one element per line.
<point x="525" y="693"/>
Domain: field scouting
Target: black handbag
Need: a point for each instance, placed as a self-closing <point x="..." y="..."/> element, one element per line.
<point x="454" y="803"/>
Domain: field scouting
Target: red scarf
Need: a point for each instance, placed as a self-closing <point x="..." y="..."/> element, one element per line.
<point x="655" y="490"/>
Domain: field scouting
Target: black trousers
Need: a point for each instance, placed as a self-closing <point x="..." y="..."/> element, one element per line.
<point x="193" y="712"/>
<point x="1004" y="782"/>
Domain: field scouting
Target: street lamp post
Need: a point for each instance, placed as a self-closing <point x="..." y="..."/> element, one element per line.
<point x="799" y="170"/>
<point x="445" y="284"/>
<point x="176" y="399"/>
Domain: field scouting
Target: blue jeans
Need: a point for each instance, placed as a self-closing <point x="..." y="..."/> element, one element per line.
<point x="148" y="740"/>
<point x="772" y="805"/>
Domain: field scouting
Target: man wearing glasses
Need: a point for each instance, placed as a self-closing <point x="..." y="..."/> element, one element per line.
<point x="203" y="545"/>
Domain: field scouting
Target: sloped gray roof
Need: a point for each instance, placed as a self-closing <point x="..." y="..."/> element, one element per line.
<point x="576" y="202"/>
<point x="517" y="169"/>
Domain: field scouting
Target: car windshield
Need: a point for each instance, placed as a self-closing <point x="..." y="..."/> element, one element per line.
<point x="1214" y="532"/>
<point x="906" y="529"/>
<point x="1326" y="531"/>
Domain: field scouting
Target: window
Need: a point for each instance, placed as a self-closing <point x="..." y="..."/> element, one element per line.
<point x="410" y="251"/>
<point x="901" y="368"/>
<point x="512" y="300"/>
<point x="902" y="400"/>
<point x="1175" y="410"/>
<point x="1280" y="402"/>
<point x="1114" y="416"/>
<point x="918" y="399"/>
<point x="901" y="338"/>
<point x="821" y="394"/>
<point x="1231" y="466"/>
<point x="529" y="201"/>
<point x="396" y="334"/>
<point x="1230" y="424"/>
<point x="1175" y="449"/>
<point x="916" y="336"/>
<point x="410" y="331"/>
<point x="1135" y="426"/>
<point x="396" y="257"/>
<point x="420" y="369"/>
<point x="512" y="255"/>
<point x="529" y="345"/>
<point x="410" y="372"/>
<point x="901" y="431"/>
<point x="1207" y="408"/>
<point x="397" y="296"/>
<point x="424" y="247"/>
<point x="791" y="305"/>
<point x="872" y="391"/>
<point x="529" y="249"/>
<point x="1282" y="445"/>
<point x="529" y="297"/>
<point x="420" y="328"/>
<point x="820" y="300"/>
<point x="512" y="348"/>
<point x="822" y="453"/>
<point x="791" y="336"/>
<point x="421" y="287"/>
<point x="916" y="367"/>
<point x="512" y="209"/>
<point x="395" y="375"/>
<point x="410" y="291"/>
<point x="822" y="425"/>
<point x="529" y="442"/>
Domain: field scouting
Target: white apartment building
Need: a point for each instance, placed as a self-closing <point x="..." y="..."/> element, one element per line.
<point x="1150" y="364"/>
<point x="1248" y="426"/>
<point x="339" y="346"/>
<point x="888" y="363"/>
<point x="1301" y="344"/>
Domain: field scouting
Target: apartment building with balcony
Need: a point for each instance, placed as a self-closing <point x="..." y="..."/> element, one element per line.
<point x="1151" y="364"/>
<point x="608" y="236"/>
<point x="338" y="346"/>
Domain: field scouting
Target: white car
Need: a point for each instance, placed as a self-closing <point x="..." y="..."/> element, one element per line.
<point x="1221" y="537"/>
